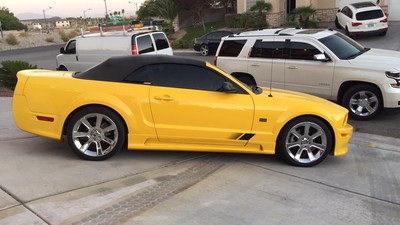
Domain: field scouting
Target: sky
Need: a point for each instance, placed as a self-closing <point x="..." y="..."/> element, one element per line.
<point x="69" y="8"/>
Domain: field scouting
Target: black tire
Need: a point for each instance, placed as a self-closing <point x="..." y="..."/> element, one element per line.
<point x="383" y="33"/>
<point x="62" y="68"/>
<point x="363" y="101"/>
<point x="337" y="24"/>
<point x="350" y="35"/>
<point x="247" y="80"/>
<point x="295" y="142"/>
<point x="94" y="128"/>
<point x="204" y="50"/>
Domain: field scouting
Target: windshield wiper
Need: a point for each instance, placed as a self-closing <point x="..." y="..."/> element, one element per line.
<point x="359" y="53"/>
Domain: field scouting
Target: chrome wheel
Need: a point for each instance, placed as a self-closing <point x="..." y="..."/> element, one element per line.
<point x="204" y="50"/>
<point x="96" y="133"/>
<point x="363" y="103"/>
<point x="305" y="141"/>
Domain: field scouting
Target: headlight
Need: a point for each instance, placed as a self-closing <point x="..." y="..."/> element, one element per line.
<point x="393" y="75"/>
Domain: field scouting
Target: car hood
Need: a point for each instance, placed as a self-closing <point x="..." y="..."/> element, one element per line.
<point x="290" y="98"/>
<point x="378" y="59"/>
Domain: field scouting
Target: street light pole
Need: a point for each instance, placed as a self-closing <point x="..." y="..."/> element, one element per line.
<point x="45" y="20"/>
<point x="136" y="6"/>
<point x="84" y="17"/>
<point x="105" y="5"/>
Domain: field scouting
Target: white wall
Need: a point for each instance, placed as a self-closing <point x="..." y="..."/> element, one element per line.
<point x="394" y="10"/>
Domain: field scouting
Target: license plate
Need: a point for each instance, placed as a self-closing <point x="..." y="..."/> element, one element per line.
<point x="370" y="25"/>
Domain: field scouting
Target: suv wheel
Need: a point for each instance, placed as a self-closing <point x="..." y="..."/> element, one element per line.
<point x="348" y="33"/>
<point x="364" y="102"/>
<point x="204" y="50"/>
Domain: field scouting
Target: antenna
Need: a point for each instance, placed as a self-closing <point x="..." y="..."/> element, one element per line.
<point x="270" y="78"/>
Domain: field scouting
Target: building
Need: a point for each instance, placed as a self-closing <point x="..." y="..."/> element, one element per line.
<point x="63" y="24"/>
<point x="326" y="9"/>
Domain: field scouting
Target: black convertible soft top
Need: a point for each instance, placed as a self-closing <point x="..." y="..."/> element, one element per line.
<point x="117" y="68"/>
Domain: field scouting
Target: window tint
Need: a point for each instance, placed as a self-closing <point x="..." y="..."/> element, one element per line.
<point x="161" y="41"/>
<point x="269" y="49"/>
<point x="303" y="51"/>
<point x="71" y="47"/>
<point x="140" y="76"/>
<point x="231" y="48"/>
<point x="369" y="15"/>
<point x="144" y="44"/>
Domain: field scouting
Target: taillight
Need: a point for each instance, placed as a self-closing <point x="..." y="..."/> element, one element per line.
<point x="215" y="60"/>
<point x="134" y="50"/>
<point x="356" y="24"/>
<point x="384" y="20"/>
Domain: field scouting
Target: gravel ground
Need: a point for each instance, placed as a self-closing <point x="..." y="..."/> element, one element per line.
<point x="31" y="39"/>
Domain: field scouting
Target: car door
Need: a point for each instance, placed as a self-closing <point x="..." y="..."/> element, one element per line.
<point x="69" y="57"/>
<point x="345" y="17"/>
<point x="266" y="61"/>
<point x="305" y="74"/>
<point x="188" y="106"/>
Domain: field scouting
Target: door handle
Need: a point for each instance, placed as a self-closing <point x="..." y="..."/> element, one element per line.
<point x="164" y="98"/>
<point x="293" y="67"/>
<point x="76" y="58"/>
<point x="255" y="64"/>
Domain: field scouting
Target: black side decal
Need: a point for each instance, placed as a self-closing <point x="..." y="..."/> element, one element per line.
<point x="246" y="137"/>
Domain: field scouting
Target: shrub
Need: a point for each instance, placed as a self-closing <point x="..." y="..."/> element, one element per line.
<point x="49" y="39"/>
<point x="180" y="44"/>
<point x="73" y="33"/>
<point x="63" y="36"/>
<point x="302" y="16"/>
<point x="23" y="34"/>
<point x="9" y="70"/>
<point x="11" y="39"/>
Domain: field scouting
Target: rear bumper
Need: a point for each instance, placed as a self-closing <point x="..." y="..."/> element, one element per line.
<point x="368" y="31"/>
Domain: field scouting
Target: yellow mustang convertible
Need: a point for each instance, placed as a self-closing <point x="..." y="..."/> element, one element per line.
<point x="173" y="103"/>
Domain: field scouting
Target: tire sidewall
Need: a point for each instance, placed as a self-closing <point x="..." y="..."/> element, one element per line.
<point x="204" y="46"/>
<point x="100" y="110"/>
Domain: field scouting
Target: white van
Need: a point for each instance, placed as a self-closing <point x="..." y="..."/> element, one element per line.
<point x="82" y="52"/>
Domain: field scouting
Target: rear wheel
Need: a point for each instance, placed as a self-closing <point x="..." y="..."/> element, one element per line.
<point x="204" y="50"/>
<point x="364" y="102"/>
<point x="305" y="141"/>
<point x="96" y="133"/>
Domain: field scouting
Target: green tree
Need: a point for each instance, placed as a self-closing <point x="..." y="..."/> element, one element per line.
<point x="147" y="9"/>
<point x="167" y="10"/>
<point x="302" y="15"/>
<point x="261" y="8"/>
<point x="197" y="6"/>
<point x="9" y="21"/>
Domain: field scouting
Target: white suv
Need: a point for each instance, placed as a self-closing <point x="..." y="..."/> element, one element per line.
<point x="324" y="63"/>
<point x="362" y="17"/>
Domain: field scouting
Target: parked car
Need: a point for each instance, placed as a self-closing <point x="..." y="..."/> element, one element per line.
<point x="82" y="52"/>
<point x="172" y="103"/>
<point x="325" y="63"/>
<point x="208" y="43"/>
<point x="360" y="18"/>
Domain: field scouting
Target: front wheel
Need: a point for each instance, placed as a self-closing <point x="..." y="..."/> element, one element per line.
<point x="305" y="141"/>
<point x="96" y="133"/>
<point x="204" y="50"/>
<point x="364" y="102"/>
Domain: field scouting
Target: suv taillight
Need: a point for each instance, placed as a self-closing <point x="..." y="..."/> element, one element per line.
<point x="356" y="24"/>
<point x="215" y="60"/>
<point x="134" y="50"/>
<point x="384" y="20"/>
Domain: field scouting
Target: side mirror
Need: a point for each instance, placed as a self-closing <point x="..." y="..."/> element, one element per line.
<point x="228" y="87"/>
<point x="321" y="57"/>
<point x="62" y="51"/>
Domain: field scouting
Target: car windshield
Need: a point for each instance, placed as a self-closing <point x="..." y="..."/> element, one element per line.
<point x="342" y="46"/>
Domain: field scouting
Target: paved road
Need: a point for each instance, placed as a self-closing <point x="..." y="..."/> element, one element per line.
<point x="43" y="182"/>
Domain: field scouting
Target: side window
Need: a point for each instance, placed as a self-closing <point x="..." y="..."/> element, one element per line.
<point x="144" y="44"/>
<point x="71" y="47"/>
<point x="161" y="41"/>
<point x="231" y="48"/>
<point x="269" y="49"/>
<point x="140" y="76"/>
<point x="302" y="51"/>
<point x="187" y="77"/>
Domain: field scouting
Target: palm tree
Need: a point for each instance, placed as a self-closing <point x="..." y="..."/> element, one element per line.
<point x="166" y="9"/>
<point x="303" y="14"/>
<point x="261" y="7"/>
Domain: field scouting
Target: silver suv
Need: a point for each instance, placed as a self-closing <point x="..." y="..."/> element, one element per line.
<point x="324" y="63"/>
